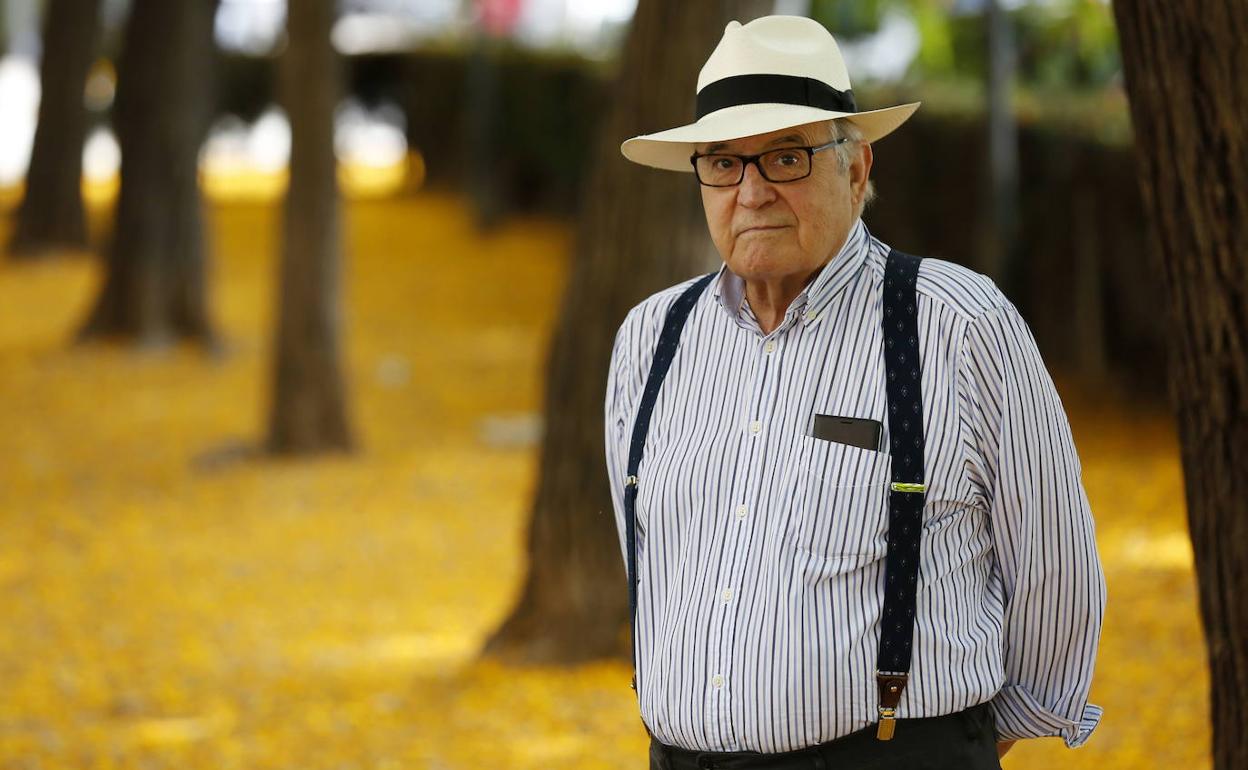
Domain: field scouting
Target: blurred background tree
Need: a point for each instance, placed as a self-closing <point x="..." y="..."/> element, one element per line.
<point x="308" y="412"/>
<point x="154" y="291"/>
<point x="638" y="231"/>
<point x="51" y="216"/>
<point x="1189" y="103"/>
<point x="483" y="128"/>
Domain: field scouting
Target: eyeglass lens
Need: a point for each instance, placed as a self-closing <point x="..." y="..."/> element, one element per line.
<point x="784" y="165"/>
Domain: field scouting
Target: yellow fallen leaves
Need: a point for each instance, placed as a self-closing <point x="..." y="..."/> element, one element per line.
<point x="174" y="731"/>
<point x="170" y="602"/>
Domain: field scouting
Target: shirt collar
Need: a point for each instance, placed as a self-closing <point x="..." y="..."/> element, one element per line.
<point x="814" y="299"/>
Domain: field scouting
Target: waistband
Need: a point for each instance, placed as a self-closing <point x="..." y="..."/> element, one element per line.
<point x="846" y="752"/>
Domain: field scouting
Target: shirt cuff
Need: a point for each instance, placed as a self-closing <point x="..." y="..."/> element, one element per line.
<point x="1019" y="715"/>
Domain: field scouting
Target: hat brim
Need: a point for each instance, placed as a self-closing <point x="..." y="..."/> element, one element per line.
<point x="671" y="149"/>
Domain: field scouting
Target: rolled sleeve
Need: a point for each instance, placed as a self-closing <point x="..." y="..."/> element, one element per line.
<point x="1020" y="715"/>
<point x="1021" y="457"/>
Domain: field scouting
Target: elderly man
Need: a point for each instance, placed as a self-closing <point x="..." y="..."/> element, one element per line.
<point x="849" y="501"/>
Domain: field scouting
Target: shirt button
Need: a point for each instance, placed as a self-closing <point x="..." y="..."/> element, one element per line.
<point x="727" y="594"/>
<point x="741" y="511"/>
<point x="717" y="681"/>
<point x="810" y="315"/>
<point x="755" y="427"/>
<point x="770" y="346"/>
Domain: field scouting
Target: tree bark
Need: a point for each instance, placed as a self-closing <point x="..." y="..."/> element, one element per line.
<point x="154" y="286"/>
<point x="639" y="230"/>
<point x="1184" y="62"/>
<point x="308" y="413"/>
<point x="51" y="217"/>
<point x="997" y="258"/>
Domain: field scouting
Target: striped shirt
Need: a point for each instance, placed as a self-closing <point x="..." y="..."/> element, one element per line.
<point x="760" y="550"/>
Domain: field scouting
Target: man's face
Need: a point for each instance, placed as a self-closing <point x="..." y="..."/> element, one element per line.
<point x="769" y="231"/>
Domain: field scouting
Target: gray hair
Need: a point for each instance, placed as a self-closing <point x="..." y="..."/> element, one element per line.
<point x="843" y="128"/>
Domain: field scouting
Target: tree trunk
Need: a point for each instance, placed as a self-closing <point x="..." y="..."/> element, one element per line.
<point x="640" y="230"/>
<point x="154" y="287"/>
<point x="308" y="412"/>
<point x="999" y="243"/>
<point x="51" y="216"/>
<point x="1184" y="63"/>
<point x="1086" y="286"/>
<point x="486" y="177"/>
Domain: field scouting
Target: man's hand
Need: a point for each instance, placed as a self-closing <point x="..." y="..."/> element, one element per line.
<point x="1003" y="747"/>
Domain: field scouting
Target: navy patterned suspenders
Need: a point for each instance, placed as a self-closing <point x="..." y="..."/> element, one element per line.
<point x="907" y="490"/>
<point x="669" y="338"/>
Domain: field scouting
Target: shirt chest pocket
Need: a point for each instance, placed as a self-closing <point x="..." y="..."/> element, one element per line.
<point x="840" y="502"/>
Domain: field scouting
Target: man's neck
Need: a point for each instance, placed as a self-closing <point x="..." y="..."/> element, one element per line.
<point x="770" y="300"/>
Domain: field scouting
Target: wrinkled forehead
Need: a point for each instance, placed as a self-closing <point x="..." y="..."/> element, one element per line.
<point x="796" y="136"/>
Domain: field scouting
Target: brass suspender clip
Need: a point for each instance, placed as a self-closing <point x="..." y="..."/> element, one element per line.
<point x="901" y="486"/>
<point x="891" y="684"/>
<point x="630" y="481"/>
<point x="888" y="724"/>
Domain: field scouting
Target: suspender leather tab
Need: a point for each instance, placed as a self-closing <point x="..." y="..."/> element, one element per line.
<point x="890" y="684"/>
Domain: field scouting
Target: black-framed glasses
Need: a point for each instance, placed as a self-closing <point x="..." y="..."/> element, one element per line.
<point x="786" y="164"/>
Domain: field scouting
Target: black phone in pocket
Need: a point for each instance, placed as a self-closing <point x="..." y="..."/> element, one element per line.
<point x="854" y="431"/>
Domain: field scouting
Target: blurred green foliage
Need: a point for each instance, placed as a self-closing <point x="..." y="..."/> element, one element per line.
<point x="850" y="18"/>
<point x="1060" y="44"/>
<point x="1068" y="43"/>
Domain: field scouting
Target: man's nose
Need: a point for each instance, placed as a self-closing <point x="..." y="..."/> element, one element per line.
<point x="754" y="190"/>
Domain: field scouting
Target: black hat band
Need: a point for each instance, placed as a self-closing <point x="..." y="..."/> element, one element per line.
<point x="772" y="89"/>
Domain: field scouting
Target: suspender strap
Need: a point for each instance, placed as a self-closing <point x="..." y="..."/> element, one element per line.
<point x="907" y="491"/>
<point x="669" y="338"/>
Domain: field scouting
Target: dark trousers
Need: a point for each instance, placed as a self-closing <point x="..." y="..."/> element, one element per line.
<point x="962" y="741"/>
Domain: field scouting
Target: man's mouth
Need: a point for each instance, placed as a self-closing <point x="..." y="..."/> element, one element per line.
<point x="761" y="228"/>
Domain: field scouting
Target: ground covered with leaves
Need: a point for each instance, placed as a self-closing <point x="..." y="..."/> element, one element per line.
<point x="170" y="600"/>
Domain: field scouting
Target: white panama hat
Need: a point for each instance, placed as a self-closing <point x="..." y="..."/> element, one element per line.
<point x="773" y="73"/>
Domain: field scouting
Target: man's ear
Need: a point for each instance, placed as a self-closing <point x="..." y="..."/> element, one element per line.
<point x="860" y="171"/>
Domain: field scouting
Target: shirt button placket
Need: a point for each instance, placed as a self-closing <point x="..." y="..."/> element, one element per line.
<point x="765" y="371"/>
